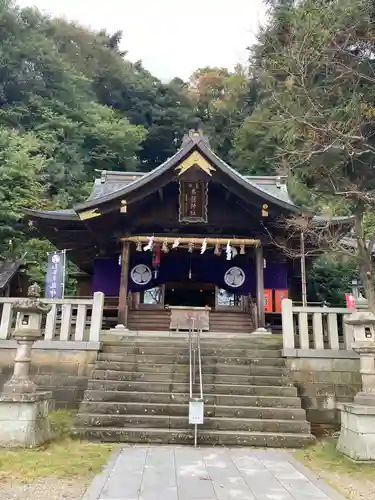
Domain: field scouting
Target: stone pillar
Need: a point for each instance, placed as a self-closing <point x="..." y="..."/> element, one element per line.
<point x="20" y="382"/>
<point x="123" y="295"/>
<point x="259" y="266"/>
<point x="357" y="435"/>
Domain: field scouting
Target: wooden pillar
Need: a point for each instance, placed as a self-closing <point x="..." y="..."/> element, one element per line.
<point x="123" y="295"/>
<point x="259" y="266"/>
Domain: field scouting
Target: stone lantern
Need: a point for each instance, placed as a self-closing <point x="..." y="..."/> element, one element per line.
<point x="23" y="409"/>
<point x="357" y="436"/>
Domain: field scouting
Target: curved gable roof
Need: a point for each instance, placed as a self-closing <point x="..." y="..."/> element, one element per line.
<point x="116" y="185"/>
<point x="107" y="192"/>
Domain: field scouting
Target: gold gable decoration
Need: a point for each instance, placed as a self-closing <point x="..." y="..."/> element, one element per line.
<point x="195" y="160"/>
<point x="89" y="214"/>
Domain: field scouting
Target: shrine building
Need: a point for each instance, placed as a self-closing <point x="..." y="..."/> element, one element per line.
<point x="192" y="233"/>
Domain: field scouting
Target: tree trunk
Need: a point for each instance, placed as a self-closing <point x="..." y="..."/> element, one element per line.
<point x="365" y="260"/>
<point x="368" y="284"/>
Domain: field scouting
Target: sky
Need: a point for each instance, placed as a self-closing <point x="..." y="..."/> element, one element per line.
<point x="171" y="37"/>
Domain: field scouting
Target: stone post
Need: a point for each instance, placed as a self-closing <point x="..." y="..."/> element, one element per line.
<point x="24" y="410"/>
<point x="357" y="436"/>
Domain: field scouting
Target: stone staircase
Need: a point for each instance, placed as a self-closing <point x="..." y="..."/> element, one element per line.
<point x="158" y="320"/>
<point x="139" y="393"/>
<point x="230" y="322"/>
<point x="149" y="320"/>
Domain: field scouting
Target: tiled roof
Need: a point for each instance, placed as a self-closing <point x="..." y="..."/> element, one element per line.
<point x="8" y="269"/>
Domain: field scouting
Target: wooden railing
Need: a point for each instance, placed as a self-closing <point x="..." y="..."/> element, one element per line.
<point x="79" y="320"/>
<point x="319" y="328"/>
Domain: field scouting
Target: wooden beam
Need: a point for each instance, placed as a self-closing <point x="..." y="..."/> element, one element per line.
<point x="123" y="293"/>
<point x="259" y="265"/>
<point x="194" y="239"/>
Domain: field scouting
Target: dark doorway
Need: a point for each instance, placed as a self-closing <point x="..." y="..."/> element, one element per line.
<point x="190" y="294"/>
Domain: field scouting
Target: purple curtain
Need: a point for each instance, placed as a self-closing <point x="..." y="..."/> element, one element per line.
<point x="175" y="266"/>
<point x="106" y="277"/>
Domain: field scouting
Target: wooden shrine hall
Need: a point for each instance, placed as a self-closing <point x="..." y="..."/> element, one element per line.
<point x="191" y="235"/>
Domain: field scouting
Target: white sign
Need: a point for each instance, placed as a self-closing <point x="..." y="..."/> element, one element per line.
<point x="196" y="412"/>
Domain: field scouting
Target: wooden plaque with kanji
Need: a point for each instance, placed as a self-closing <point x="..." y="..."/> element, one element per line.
<point x="193" y="201"/>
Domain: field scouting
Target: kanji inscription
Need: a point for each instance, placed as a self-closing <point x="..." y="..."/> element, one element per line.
<point x="193" y="201"/>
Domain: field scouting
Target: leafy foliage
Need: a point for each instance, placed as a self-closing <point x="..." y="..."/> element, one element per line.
<point x="71" y="103"/>
<point x="330" y="279"/>
<point x="53" y="131"/>
<point x="315" y="115"/>
<point x="20" y="186"/>
<point x="222" y="99"/>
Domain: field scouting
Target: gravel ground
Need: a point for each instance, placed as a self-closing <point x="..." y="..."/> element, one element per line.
<point x="46" y="489"/>
<point x="353" y="488"/>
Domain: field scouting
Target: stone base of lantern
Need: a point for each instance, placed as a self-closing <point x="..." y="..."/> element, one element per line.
<point x="357" y="435"/>
<point x="24" y="419"/>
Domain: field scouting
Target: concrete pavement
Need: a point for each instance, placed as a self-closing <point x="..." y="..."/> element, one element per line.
<point x="183" y="473"/>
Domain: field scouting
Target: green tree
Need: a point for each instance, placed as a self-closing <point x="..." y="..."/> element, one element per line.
<point x="20" y="172"/>
<point x="222" y="99"/>
<point x="41" y="91"/>
<point x="330" y="279"/>
<point x="53" y="131"/>
<point x="164" y="110"/>
<point x="318" y="79"/>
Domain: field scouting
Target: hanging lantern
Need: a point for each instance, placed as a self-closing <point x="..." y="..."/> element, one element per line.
<point x="242" y="250"/>
<point x="217" y="250"/>
<point x="165" y="248"/>
<point x="264" y="210"/>
<point x="156" y="261"/>
<point x="139" y="246"/>
<point x="191" y="247"/>
<point x="124" y="207"/>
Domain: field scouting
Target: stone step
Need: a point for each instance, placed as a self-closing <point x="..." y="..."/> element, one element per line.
<point x="180" y="422"/>
<point x="233" y="321"/>
<point x="183" y="377"/>
<point x="183" y="398"/>
<point x="184" y="350"/>
<point x="230" y="327"/>
<point x="218" y="369"/>
<point x="247" y="341"/>
<point x="206" y="360"/>
<point x="157" y="323"/>
<point x="140" y="386"/>
<point x="173" y="409"/>
<point x="186" y="436"/>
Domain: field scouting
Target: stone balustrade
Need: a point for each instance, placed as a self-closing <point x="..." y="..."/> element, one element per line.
<point x="315" y="328"/>
<point x="78" y="320"/>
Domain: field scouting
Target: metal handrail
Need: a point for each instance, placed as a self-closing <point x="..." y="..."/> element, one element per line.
<point x="190" y="363"/>
<point x="199" y="362"/>
<point x="194" y="356"/>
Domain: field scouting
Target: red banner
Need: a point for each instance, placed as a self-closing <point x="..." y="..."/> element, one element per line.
<point x="350" y="301"/>
<point x="268" y="304"/>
